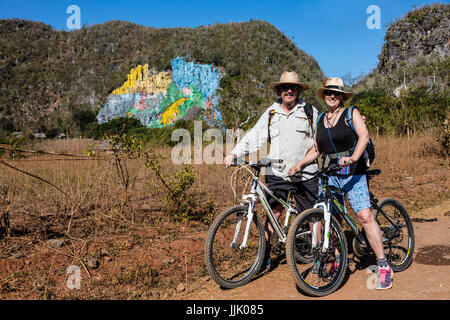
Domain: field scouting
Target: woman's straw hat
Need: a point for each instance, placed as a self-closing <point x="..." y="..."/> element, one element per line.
<point x="288" y="78"/>
<point x="333" y="84"/>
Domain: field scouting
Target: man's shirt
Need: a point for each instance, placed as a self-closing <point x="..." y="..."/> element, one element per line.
<point x="291" y="138"/>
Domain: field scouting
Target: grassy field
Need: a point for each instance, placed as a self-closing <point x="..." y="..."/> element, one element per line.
<point x="127" y="238"/>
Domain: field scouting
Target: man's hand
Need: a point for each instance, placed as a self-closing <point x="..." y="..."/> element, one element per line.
<point x="294" y="169"/>
<point x="228" y="161"/>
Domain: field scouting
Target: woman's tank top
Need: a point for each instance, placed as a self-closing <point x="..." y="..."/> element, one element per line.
<point x="344" y="139"/>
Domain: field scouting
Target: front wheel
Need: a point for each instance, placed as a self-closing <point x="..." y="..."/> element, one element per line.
<point x="230" y="264"/>
<point x="318" y="272"/>
<point x="398" y="233"/>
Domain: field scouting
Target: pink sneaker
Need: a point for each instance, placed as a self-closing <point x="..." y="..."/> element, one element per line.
<point x="385" y="276"/>
<point x="333" y="270"/>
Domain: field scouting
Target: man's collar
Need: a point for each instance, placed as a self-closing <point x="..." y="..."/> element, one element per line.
<point x="279" y="109"/>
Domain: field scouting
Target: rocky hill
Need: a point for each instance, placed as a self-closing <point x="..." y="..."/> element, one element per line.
<point x="50" y="75"/>
<point x="415" y="54"/>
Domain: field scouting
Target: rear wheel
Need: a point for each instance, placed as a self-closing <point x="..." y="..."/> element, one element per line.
<point x="398" y="234"/>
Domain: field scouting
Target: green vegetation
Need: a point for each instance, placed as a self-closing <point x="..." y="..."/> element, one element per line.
<point x="411" y="112"/>
<point x="49" y="72"/>
<point x="115" y="126"/>
<point x="408" y="90"/>
<point x="57" y="81"/>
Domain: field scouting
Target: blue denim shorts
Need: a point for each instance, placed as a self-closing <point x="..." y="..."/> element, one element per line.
<point x="356" y="189"/>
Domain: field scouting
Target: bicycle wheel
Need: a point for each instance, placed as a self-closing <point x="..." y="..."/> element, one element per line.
<point x="229" y="265"/>
<point x="323" y="272"/>
<point x="398" y="233"/>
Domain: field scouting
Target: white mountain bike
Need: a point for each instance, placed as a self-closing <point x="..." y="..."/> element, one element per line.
<point x="235" y="245"/>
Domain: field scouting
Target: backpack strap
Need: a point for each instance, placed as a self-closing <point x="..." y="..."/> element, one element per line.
<point x="271" y="114"/>
<point x="309" y="112"/>
<point x="349" y="117"/>
<point x="368" y="157"/>
<point x="320" y="117"/>
<point x="310" y="115"/>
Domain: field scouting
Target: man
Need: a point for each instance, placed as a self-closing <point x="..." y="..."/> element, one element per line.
<point x="291" y="135"/>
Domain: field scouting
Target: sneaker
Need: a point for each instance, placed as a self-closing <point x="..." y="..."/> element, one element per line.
<point x="333" y="271"/>
<point x="385" y="276"/>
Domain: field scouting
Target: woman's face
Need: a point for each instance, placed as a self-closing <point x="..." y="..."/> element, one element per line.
<point x="332" y="98"/>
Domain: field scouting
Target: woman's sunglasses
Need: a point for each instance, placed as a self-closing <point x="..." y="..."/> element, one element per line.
<point x="330" y="92"/>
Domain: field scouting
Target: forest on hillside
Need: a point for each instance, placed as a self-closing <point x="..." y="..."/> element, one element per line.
<point x="57" y="81"/>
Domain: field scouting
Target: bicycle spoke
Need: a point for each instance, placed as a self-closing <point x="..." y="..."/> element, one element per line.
<point x="398" y="238"/>
<point x="398" y="233"/>
<point x="317" y="272"/>
<point x="231" y="265"/>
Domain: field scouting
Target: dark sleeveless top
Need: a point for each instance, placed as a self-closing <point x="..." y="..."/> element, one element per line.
<point x="344" y="139"/>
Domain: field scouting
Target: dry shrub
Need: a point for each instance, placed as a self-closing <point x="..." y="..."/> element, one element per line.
<point x="411" y="171"/>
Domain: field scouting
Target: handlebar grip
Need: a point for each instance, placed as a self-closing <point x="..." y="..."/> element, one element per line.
<point x="300" y="173"/>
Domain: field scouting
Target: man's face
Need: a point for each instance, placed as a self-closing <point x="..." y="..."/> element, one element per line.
<point x="288" y="93"/>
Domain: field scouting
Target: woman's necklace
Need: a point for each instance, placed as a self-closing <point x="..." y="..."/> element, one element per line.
<point x="333" y="117"/>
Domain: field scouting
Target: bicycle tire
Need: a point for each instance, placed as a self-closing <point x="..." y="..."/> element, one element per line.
<point x="298" y="225"/>
<point x="225" y="263"/>
<point x="390" y="241"/>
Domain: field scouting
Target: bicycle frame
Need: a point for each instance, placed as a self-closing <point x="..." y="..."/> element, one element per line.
<point x="326" y="203"/>
<point x="257" y="191"/>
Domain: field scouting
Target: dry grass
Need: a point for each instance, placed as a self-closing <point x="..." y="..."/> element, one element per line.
<point x="412" y="171"/>
<point x="143" y="253"/>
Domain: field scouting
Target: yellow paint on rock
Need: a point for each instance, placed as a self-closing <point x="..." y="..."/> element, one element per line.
<point x="172" y="112"/>
<point x="139" y="80"/>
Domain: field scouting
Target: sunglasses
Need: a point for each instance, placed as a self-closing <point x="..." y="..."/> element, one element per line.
<point x="330" y="92"/>
<point x="286" y="87"/>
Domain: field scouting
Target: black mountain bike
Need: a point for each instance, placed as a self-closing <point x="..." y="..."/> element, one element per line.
<point x="316" y="246"/>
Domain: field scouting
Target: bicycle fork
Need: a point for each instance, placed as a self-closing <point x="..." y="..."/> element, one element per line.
<point x="315" y="228"/>
<point x="250" y="206"/>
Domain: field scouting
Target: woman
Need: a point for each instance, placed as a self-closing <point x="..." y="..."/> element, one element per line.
<point x="337" y="142"/>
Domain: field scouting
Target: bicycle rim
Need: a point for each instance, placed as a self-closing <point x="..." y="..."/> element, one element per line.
<point x="316" y="273"/>
<point x="398" y="234"/>
<point x="228" y="264"/>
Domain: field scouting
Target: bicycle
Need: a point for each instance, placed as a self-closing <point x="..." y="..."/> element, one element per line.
<point x="235" y="245"/>
<point x="319" y="263"/>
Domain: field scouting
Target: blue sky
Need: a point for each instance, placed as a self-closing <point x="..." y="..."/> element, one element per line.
<point x="335" y="32"/>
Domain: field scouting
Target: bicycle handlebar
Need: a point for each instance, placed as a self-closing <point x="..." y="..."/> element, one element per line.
<point x="334" y="167"/>
<point x="263" y="162"/>
<point x="319" y="173"/>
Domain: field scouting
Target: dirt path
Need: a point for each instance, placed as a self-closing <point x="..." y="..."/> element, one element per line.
<point x="427" y="278"/>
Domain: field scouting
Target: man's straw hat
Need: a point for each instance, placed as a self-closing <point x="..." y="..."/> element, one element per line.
<point x="333" y="84"/>
<point x="289" y="78"/>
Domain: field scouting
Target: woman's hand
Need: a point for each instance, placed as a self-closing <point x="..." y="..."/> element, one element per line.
<point x="345" y="161"/>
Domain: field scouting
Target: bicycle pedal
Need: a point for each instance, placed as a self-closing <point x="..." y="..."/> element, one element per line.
<point x="353" y="259"/>
<point x="350" y="260"/>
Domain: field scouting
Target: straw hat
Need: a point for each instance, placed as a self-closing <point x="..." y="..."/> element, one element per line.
<point x="333" y="84"/>
<point x="288" y="78"/>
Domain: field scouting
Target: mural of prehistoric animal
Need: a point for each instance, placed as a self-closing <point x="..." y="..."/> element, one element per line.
<point x="158" y="100"/>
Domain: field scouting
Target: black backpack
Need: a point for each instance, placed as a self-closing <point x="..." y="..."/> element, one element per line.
<point x="369" y="152"/>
